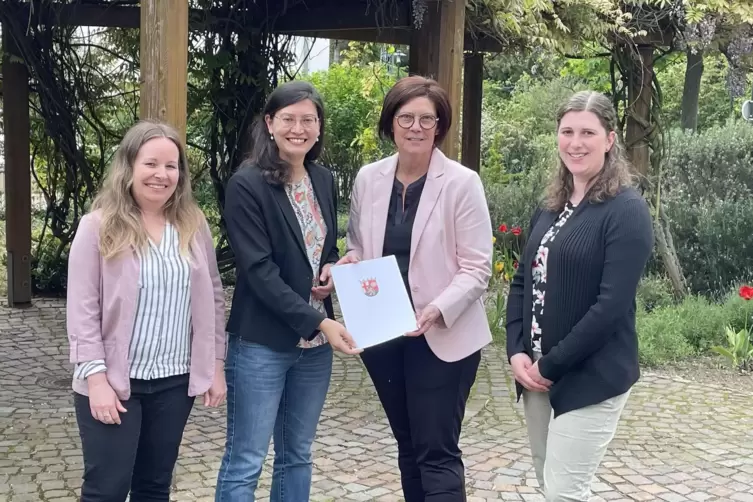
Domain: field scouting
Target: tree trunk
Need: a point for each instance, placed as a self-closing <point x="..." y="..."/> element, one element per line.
<point x="639" y="120"/>
<point x="666" y="249"/>
<point x="691" y="90"/>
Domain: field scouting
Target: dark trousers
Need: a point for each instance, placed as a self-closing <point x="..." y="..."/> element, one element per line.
<point x="424" y="399"/>
<point x="137" y="456"/>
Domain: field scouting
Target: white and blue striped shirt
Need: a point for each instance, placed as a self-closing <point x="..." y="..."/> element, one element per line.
<point x="161" y="339"/>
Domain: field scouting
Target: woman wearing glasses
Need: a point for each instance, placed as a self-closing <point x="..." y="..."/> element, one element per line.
<point x="280" y="214"/>
<point x="431" y="214"/>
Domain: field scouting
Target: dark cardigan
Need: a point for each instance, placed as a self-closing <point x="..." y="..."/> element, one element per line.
<point x="589" y="343"/>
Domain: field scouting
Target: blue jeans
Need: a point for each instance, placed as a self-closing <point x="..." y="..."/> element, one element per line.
<point x="270" y="392"/>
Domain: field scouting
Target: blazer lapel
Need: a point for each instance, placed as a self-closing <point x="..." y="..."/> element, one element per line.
<point x="287" y="210"/>
<point x="381" y="191"/>
<point x="429" y="197"/>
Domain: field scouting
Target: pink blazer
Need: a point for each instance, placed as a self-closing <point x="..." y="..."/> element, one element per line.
<point x="451" y="247"/>
<point x="102" y="302"/>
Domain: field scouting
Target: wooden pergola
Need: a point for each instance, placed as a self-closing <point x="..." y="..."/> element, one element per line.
<point x="440" y="48"/>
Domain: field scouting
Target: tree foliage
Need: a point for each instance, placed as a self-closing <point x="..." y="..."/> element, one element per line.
<point x="353" y="101"/>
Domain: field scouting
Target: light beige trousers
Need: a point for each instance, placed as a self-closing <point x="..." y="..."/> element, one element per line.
<point x="568" y="450"/>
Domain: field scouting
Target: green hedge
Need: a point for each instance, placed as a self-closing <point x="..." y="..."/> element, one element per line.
<point x="708" y="191"/>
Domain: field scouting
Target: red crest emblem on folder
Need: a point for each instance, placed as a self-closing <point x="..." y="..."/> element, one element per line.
<point x="370" y="287"/>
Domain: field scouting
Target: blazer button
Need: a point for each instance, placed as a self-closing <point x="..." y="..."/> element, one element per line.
<point x="415" y="288"/>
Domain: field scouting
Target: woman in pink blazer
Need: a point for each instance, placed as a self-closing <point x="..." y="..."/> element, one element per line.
<point x="145" y="319"/>
<point x="431" y="214"/>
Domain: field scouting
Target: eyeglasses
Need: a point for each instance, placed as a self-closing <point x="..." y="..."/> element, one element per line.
<point x="406" y="121"/>
<point x="289" y="121"/>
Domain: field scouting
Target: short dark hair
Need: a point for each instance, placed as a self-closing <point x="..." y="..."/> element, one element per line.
<point x="409" y="88"/>
<point x="264" y="152"/>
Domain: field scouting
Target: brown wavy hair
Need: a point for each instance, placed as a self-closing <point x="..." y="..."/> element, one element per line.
<point x="121" y="225"/>
<point x="617" y="172"/>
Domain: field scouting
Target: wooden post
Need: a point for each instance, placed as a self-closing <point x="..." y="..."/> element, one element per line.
<point x="437" y="52"/>
<point x="164" y="61"/>
<point x="473" y="89"/>
<point x="639" y="123"/>
<point x="17" y="173"/>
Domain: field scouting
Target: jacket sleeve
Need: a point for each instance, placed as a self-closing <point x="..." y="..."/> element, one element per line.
<point x="353" y="240"/>
<point x="83" y="308"/>
<point x="515" y="311"/>
<point x="473" y="237"/>
<point x="220" y="338"/>
<point x="249" y="239"/>
<point x="628" y="241"/>
<point x="334" y="253"/>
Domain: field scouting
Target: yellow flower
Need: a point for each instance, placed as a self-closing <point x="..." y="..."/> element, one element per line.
<point x="499" y="266"/>
<point x="508" y="277"/>
<point x="494" y="240"/>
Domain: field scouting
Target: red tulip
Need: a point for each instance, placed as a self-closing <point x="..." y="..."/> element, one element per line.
<point x="516" y="231"/>
<point x="503" y="228"/>
<point x="746" y="292"/>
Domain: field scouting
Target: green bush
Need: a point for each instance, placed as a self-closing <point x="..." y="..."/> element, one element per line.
<point x="715" y="240"/>
<point x="708" y="193"/>
<point x="518" y="134"/>
<point x="674" y="332"/>
<point x="717" y="163"/>
<point x="513" y="201"/>
<point x="353" y="101"/>
<point x="342" y="223"/>
<point x="654" y="292"/>
<point x="660" y="337"/>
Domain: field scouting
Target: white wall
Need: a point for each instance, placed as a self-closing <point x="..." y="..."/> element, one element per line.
<point x="311" y="54"/>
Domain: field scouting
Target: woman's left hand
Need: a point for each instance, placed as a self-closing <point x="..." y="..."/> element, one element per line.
<point x="535" y="375"/>
<point x="426" y="319"/>
<point x="322" y="292"/>
<point x="217" y="392"/>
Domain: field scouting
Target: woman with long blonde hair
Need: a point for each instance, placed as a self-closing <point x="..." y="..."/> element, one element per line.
<point x="145" y="319"/>
<point x="571" y="335"/>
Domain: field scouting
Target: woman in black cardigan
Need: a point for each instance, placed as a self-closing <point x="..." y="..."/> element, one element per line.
<point x="571" y="335"/>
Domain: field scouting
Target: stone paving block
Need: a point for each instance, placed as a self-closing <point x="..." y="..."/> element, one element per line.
<point x="677" y="440"/>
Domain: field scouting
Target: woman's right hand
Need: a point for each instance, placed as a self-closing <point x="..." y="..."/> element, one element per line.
<point x="338" y="337"/>
<point x="348" y="258"/>
<point x="103" y="402"/>
<point x="520" y="364"/>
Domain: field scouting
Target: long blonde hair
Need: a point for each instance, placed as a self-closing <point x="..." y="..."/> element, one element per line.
<point x="121" y="226"/>
<point x="617" y="170"/>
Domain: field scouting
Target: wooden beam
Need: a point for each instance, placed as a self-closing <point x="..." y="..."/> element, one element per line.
<point x="396" y="36"/>
<point x="299" y="18"/>
<point x="164" y="62"/>
<point x="424" y="44"/>
<point x="320" y="22"/>
<point x="473" y="89"/>
<point x="437" y="52"/>
<point x="17" y="131"/>
<point x="347" y="16"/>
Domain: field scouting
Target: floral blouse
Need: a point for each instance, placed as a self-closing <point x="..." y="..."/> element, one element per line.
<point x="306" y="207"/>
<point x="538" y="272"/>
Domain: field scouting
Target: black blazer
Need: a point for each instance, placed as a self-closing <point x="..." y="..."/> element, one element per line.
<point x="274" y="277"/>
<point x="589" y="343"/>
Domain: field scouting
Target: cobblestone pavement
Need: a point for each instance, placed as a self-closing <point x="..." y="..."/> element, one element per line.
<point x="678" y="441"/>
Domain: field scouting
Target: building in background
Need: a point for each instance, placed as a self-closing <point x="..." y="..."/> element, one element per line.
<point x="311" y="55"/>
